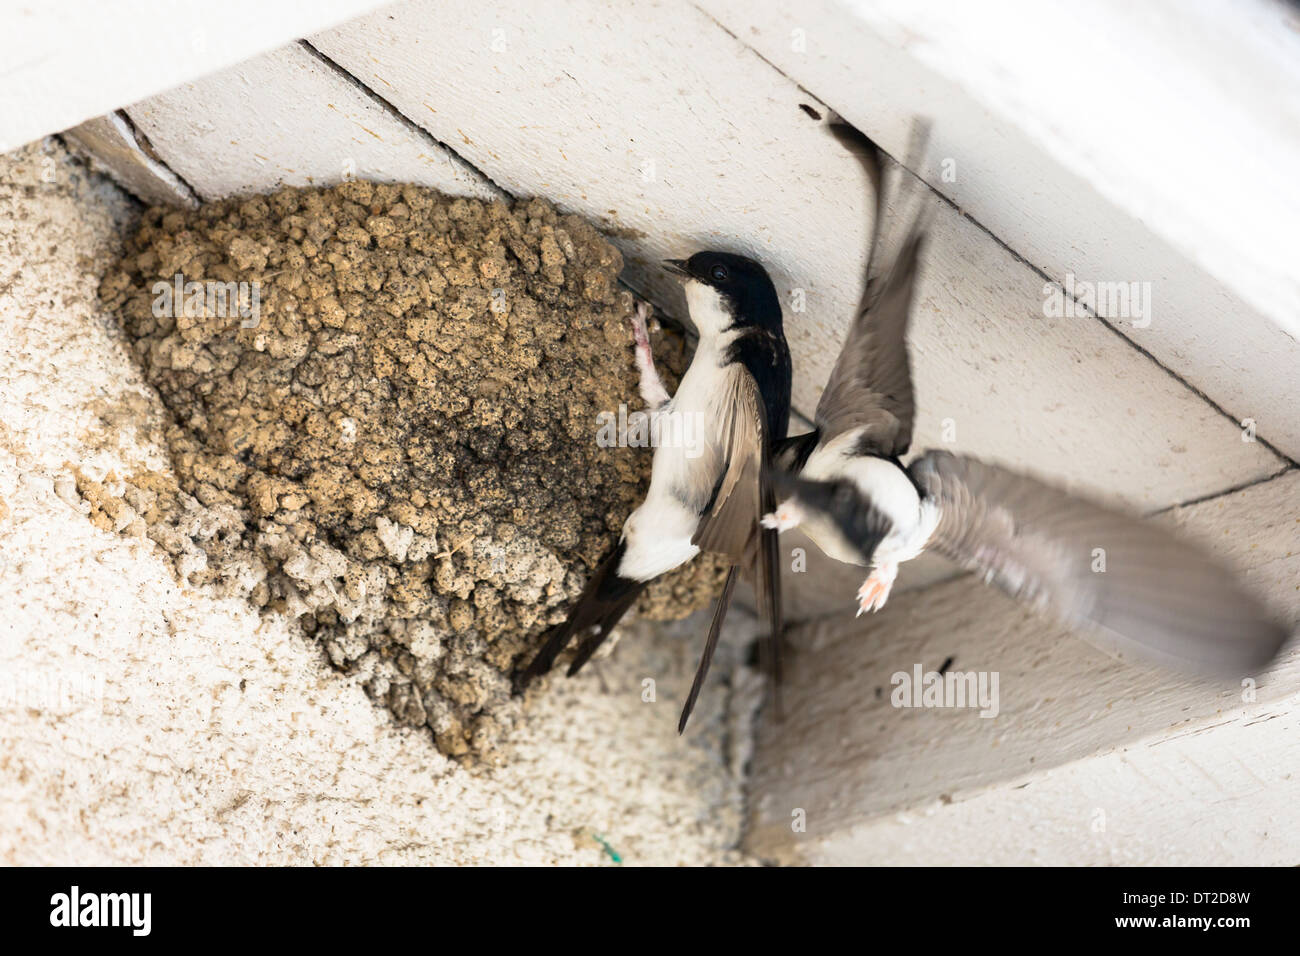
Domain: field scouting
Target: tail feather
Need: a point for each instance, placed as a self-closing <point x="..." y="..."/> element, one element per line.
<point x="592" y="643"/>
<point x="767" y="579"/>
<point x="710" y="645"/>
<point x="602" y="604"/>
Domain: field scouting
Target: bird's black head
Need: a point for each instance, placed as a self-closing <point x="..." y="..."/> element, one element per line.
<point x="724" y="289"/>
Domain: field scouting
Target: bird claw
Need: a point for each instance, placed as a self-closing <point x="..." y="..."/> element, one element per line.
<point x="874" y="593"/>
<point x="651" y="386"/>
<point x="784" y="518"/>
<point x="639" y="332"/>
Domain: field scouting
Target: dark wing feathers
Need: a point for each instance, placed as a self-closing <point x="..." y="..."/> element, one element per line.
<point x="731" y="526"/>
<point x="1158" y="594"/>
<point x="767" y="578"/>
<point x="791" y="454"/>
<point x="857" y="518"/>
<point x="870" y="386"/>
<point x="710" y="644"/>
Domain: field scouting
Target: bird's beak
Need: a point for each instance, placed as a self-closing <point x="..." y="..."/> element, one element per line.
<point x="677" y="267"/>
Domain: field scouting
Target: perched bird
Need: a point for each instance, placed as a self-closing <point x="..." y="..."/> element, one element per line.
<point x="707" y="497"/>
<point x="1130" y="582"/>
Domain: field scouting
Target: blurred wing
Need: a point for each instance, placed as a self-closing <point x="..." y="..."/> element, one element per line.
<point x="1157" y="594"/>
<point x="870" y="387"/>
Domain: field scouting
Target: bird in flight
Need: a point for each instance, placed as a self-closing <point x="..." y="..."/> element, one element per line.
<point x="1128" y="581"/>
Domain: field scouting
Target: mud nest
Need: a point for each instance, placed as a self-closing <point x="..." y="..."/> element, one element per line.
<point x="400" y="447"/>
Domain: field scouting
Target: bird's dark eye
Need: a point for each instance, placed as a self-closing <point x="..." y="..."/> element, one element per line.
<point x="719" y="273"/>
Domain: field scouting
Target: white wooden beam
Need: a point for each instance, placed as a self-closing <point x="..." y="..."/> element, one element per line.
<point x="68" y="61"/>
<point x="114" y="143"/>
<point x="288" y="118"/>
<point x="1224" y="796"/>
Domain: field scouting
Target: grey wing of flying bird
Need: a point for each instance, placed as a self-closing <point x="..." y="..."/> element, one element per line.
<point x="869" y="391"/>
<point x="1134" y="584"/>
<point x="870" y="387"/>
<point x="1129" y="583"/>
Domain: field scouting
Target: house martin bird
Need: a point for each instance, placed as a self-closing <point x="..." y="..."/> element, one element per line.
<point x="863" y="422"/>
<point x="708" y="497"/>
<point x="1129" y="581"/>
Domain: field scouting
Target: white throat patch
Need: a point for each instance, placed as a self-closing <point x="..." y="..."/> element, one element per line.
<point x="709" y="310"/>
